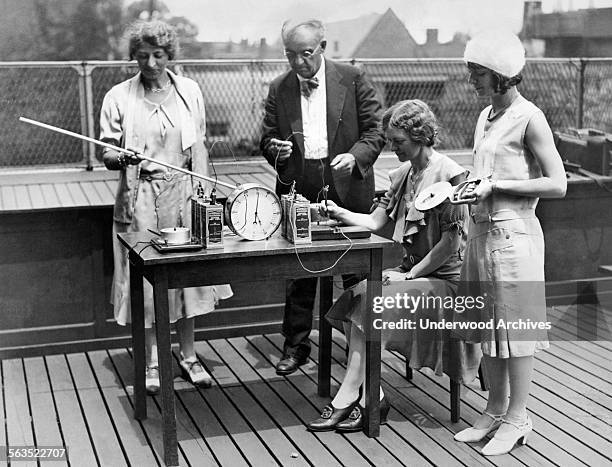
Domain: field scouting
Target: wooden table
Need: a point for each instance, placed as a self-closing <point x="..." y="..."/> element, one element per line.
<point x="242" y="261"/>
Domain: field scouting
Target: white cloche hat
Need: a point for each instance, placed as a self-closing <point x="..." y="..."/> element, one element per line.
<point x="499" y="50"/>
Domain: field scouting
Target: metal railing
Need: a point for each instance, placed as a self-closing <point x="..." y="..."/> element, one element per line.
<point x="571" y="92"/>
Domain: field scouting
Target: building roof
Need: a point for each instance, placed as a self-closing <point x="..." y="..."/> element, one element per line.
<point x="585" y="23"/>
<point x="370" y="36"/>
<point x="343" y="37"/>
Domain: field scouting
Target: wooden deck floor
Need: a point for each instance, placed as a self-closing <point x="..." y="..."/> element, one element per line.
<point x="251" y="416"/>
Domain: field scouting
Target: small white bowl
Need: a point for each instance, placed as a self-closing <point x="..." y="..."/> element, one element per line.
<point x="175" y="235"/>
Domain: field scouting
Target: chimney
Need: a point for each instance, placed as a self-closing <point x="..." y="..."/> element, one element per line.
<point x="531" y="9"/>
<point x="432" y="36"/>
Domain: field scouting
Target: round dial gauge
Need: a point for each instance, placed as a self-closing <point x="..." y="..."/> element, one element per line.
<point x="253" y="211"/>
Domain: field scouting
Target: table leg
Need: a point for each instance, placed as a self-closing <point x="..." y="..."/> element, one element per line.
<point x="371" y="426"/>
<point x="138" y="341"/>
<point x="162" y="326"/>
<point x="325" y="333"/>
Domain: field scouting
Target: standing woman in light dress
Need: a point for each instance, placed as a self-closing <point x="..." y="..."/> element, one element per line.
<point x="515" y="155"/>
<point x="160" y="115"/>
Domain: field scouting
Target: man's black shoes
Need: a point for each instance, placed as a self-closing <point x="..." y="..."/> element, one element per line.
<point x="289" y="364"/>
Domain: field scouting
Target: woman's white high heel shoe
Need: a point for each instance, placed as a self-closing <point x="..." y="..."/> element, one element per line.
<point x="473" y="435"/>
<point x="503" y="443"/>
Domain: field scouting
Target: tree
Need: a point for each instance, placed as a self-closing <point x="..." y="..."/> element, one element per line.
<point x="82" y="30"/>
<point x="79" y="29"/>
<point x="186" y="31"/>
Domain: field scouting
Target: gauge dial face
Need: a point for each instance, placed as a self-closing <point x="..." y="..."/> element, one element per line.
<point x="254" y="213"/>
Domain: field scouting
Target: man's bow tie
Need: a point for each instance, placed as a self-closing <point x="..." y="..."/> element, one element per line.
<point x="308" y="85"/>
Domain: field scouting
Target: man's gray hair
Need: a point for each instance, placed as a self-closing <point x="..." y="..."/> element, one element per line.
<point x="291" y="25"/>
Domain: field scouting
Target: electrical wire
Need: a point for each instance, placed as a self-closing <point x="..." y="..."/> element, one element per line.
<point x="278" y="154"/>
<point x="312" y="271"/>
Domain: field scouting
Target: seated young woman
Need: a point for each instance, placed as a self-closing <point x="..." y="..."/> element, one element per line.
<point x="433" y="242"/>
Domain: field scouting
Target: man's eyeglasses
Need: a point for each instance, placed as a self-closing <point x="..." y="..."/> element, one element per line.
<point x="304" y="54"/>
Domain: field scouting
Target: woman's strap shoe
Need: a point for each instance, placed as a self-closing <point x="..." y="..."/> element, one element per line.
<point x="194" y="372"/>
<point x="502" y="443"/>
<point x="330" y="417"/>
<point x="354" y="422"/>
<point x="473" y="435"/>
<point x="152" y="380"/>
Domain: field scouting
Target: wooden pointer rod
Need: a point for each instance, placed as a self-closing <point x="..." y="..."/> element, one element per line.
<point x="126" y="151"/>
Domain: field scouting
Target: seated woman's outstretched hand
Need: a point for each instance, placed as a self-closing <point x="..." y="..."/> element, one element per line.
<point x="329" y="209"/>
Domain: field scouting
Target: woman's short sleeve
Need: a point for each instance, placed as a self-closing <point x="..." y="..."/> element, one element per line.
<point x="386" y="199"/>
<point x="453" y="216"/>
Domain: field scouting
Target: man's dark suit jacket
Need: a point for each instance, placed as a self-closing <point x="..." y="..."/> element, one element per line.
<point x="353" y="125"/>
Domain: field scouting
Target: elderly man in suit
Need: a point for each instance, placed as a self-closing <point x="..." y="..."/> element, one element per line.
<point x="321" y="129"/>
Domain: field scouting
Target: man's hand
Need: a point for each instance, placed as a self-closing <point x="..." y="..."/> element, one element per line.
<point x="280" y="149"/>
<point x="343" y="164"/>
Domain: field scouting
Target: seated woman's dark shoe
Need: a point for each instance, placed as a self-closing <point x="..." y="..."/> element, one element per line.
<point x="354" y="422"/>
<point x="330" y="417"/>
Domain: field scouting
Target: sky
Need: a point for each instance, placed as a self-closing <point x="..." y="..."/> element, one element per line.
<point x="222" y="20"/>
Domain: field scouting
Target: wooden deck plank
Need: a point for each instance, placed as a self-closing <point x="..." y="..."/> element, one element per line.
<point x="44" y="416"/>
<point x="586" y="427"/>
<point x="264" y="179"/>
<point x="568" y="380"/>
<point x="112" y="187"/>
<point x="218" y="439"/>
<point x="104" y="438"/>
<point x="425" y="432"/>
<point x="593" y="318"/>
<point x="575" y="370"/>
<point x="93" y="198"/>
<point x="248" y="442"/>
<point x="18" y="422"/>
<point x="129" y="430"/>
<point x="589" y="362"/>
<point x="196" y="447"/>
<point x="576" y="398"/>
<point x="433" y="399"/>
<point x="372" y="449"/>
<point x="254" y="417"/>
<point x="7" y="196"/>
<point x="50" y="195"/>
<point x="415" y="433"/>
<point x="22" y="197"/>
<point x="338" y="446"/>
<point x="439" y="385"/>
<point x="77" y="195"/>
<point x="584" y="349"/>
<point x="238" y="426"/>
<point x="73" y="425"/>
<point x="330" y="439"/>
<point x="305" y="442"/>
<point x="64" y="195"/>
<point x="473" y="402"/>
<point x="152" y="425"/>
<point x="568" y="322"/>
<point x="541" y="413"/>
<point x="546" y="439"/>
<point x="36" y="196"/>
<point x="278" y="444"/>
<point x="283" y="450"/>
<point x="104" y="192"/>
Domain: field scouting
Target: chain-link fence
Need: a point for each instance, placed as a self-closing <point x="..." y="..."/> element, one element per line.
<point x="571" y="92"/>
